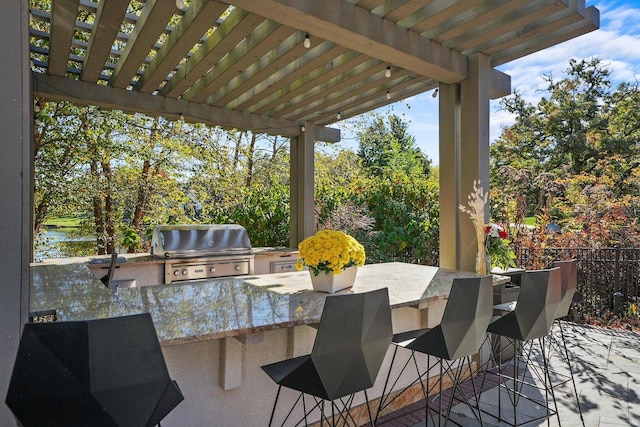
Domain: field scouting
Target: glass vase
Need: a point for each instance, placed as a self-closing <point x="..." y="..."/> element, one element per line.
<point x="483" y="263"/>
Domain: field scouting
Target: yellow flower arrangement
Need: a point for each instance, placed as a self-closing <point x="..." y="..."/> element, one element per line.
<point x="330" y="251"/>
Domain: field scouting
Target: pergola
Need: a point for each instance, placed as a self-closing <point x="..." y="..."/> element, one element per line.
<point x="283" y="67"/>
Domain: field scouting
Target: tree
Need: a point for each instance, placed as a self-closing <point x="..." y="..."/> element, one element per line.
<point x="398" y="194"/>
<point x="384" y="142"/>
<point x="574" y="157"/>
<point x="579" y="134"/>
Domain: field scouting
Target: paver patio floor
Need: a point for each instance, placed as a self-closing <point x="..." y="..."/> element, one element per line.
<point x="606" y="366"/>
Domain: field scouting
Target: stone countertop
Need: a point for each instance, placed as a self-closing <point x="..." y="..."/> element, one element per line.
<point x="276" y="250"/>
<point x="147" y="258"/>
<point x="216" y="308"/>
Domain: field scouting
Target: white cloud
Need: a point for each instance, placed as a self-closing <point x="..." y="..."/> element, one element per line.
<point x="616" y="43"/>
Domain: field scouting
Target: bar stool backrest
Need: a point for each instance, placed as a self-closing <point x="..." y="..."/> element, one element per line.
<point x="467" y="315"/>
<point x="354" y="334"/>
<point x="569" y="277"/>
<point x="538" y="302"/>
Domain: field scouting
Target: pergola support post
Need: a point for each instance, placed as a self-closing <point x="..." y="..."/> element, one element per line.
<point x="16" y="193"/>
<point x="464" y="157"/>
<point x="302" y="189"/>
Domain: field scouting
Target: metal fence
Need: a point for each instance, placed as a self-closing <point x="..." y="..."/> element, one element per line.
<point x="608" y="278"/>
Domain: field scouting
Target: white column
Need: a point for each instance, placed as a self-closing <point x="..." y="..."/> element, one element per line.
<point x="464" y="157"/>
<point x="15" y="186"/>
<point x="302" y="197"/>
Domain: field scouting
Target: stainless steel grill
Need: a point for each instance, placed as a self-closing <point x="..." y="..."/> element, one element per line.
<point x="200" y="251"/>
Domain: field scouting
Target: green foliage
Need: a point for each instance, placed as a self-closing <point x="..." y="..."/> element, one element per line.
<point x="386" y="143"/>
<point x="405" y="209"/>
<point x="131" y="240"/>
<point x="122" y="174"/>
<point x="572" y="157"/>
<point x="264" y="212"/>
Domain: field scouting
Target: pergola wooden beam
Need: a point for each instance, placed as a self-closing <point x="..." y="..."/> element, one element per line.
<point x="396" y="10"/>
<point x="371" y="96"/>
<point x="232" y="31"/>
<point x="358" y="29"/>
<point x="319" y="100"/>
<point x="318" y="88"/>
<point x="63" y="23"/>
<point x="373" y="101"/>
<point x="494" y="23"/>
<point x="529" y="33"/>
<point x="307" y="85"/>
<point x="436" y="13"/>
<point x="150" y="25"/>
<point x="323" y="61"/>
<point x="58" y="88"/>
<point x="200" y="17"/>
<point x="108" y="19"/>
<point x="260" y="71"/>
<point x="263" y="39"/>
<point x="552" y="38"/>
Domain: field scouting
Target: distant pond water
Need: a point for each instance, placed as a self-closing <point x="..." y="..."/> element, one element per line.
<point x="62" y="242"/>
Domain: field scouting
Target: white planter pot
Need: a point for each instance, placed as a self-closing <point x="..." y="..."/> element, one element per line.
<point x="331" y="283"/>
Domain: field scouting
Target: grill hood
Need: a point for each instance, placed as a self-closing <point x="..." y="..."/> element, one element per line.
<point x="192" y="240"/>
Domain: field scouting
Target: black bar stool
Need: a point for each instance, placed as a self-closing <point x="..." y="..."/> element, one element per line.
<point x="352" y="340"/>
<point x="456" y="339"/>
<point x="526" y="325"/>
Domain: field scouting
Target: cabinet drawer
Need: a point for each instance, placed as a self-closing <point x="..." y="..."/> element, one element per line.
<point x="282" y="266"/>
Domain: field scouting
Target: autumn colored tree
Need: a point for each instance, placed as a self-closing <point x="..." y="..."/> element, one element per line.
<point x="580" y="140"/>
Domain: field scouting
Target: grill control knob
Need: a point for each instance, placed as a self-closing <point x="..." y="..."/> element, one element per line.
<point x="176" y="272"/>
<point x="237" y="267"/>
<point x="212" y="269"/>
<point x="185" y="272"/>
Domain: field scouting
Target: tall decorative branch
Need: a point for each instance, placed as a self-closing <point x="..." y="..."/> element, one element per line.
<point x="477" y="201"/>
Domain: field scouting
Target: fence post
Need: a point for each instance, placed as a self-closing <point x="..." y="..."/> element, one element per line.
<point x="616" y="282"/>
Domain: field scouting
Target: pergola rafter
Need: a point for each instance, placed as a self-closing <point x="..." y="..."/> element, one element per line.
<point x="248" y="56"/>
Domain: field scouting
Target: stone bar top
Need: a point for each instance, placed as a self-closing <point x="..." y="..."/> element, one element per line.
<point x="216" y="308"/>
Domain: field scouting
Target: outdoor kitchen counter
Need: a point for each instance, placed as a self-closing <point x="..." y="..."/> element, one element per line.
<point x="225" y="307"/>
<point x="217" y="333"/>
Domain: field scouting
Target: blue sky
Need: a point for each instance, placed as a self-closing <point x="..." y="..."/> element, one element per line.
<point x="617" y="43"/>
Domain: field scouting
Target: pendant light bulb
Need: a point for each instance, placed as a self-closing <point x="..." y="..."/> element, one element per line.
<point x="388" y="95"/>
<point x="435" y="93"/>
<point x="180" y="4"/>
<point x="181" y="117"/>
<point x="387" y="72"/>
<point x="302" y="128"/>
<point x="307" y="41"/>
<point x="338" y="116"/>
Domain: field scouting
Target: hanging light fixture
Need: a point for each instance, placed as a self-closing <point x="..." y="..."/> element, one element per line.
<point x="181" y="117"/>
<point x="302" y="128"/>
<point x="338" y="116"/>
<point x="387" y="72"/>
<point x="388" y="95"/>
<point x="180" y="4"/>
<point x="307" y="41"/>
<point x="435" y="93"/>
